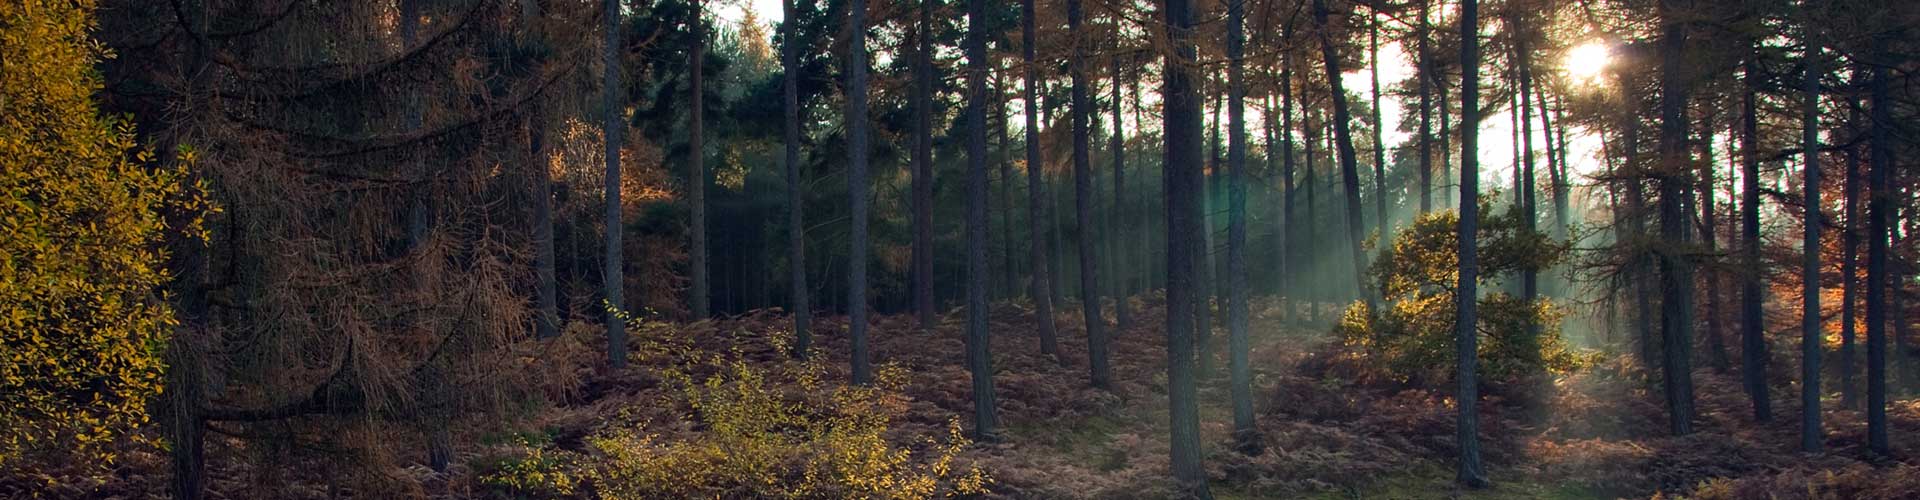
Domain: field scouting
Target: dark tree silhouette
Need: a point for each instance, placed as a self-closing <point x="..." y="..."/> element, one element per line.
<point x="857" y="188"/>
<point x="979" y="355"/>
<point x="1183" y="183"/>
<point x="1083" y="202"/>
<point x="1241" y="372"/>
<point x="1042" y="288"/>
<point x="697" y="167"/>
<point x="796" y="203"/>
<point x="1811" y="334"/>
<point x="1753" y="341"/>
<point x="922" y="37"/>
<point x="1676" y="269"/>
<point x="1343" y="140"/>
<point x="613" y="129"/>
<point x="1466" y="336"/>
<point x="1879" y="219"/>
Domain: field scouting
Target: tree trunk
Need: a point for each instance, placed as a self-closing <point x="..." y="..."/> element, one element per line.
<point x="857" y="189"/>
<point x="1879" y="218"/>
<point x="1753" y="341"/>
<point x="1246" y="439"/>
<point x="796" y="203"/>
<point x="1709" y="235"/>
<point x="1007" y="181"/>
<point x="1424" y="72"/>
<point x="1466" y="334"/>
<point x="1289" y="231"/>
<point x="1676" y="270"/>
<point x="922" y="36"/>
<point x="1446" y="139"/>
<point x="979" y="354"/>
<point x="1311" y="229"/>
<point x="1529" y="277"/>
<point x="1042" y="289"/>
<point x="1183" y="181"/>
<point x="613" y="129"/>
<point x="697" y="169"/>
<point x="1850" y="277"/>
<point x="1343" y="139"/>
<point x="1379" y="145"/>
<point x="1119" y="247"/>
<point x="1100" y="375"/>
<point x="1811" y="332"/>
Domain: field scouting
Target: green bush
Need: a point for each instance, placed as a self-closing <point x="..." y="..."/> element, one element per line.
<point x="1411" y="338"/>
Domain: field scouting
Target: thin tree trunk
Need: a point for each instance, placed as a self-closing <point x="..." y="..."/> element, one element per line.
<point x="923" y="167"/>
<point x="1245" y="436"/>
<point x="1083" y="111"/>
<point x="697" y="169"/>
<point x="613" y="129"/>
<point x="979" y="354"/>
<point x="1343" y="139"/>
<point x="1709" y="233"/>
<point x="1119" y="247"/>
<point x="1424" y="72"/>
<point x="1313" y="246"/>
<point x="1036" y="193"/>
<point x="1850" y="278"/>
<point x="857" y="189"/>
<point x="1466" y="335"/>
<point x="1879" y="218"/>
<point x="1676" y="271"/>
<point x="1811" y="331"/>
<point x="1289" y="249"/>
<point x="1446" y="140"/>
<point x="1379" y="144"/>
<point x="1529" y="277"/>
<point x="1007" y="181"/>
<point x="1753" y="341"/>
<point x="796" y="204"/>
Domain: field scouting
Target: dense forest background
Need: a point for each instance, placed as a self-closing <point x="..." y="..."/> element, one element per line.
<point x="917" y="248"/>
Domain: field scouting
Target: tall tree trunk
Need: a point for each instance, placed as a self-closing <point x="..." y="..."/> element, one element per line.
<point x="923" y="167"/>
<point x="1379" y="144"/>
<point x="857" y="188"/>
<point x="613" y="129"/>
<point x="1007" y="181"/>
<point x="1879" y="218"/>
<point x="1289" y="231"/>
<point x="1423" y="72"/>
<point x="1042" y="289"/>
<point x="547" y="301"/>
<point x="1446" y="139"/>
<point x="1245" y="437"/>
<point x="1119" y="247"/>
<point x="1183" y="181"/>
<point x="1709" y="233"/>
<point x="1466" y="335"/>
<point x="1083" y="111"/>
<point x="979" y="354"/>
<point x="1529" y="276"/>
<point x="1311" y="229"/>
<point x="1850" y="278"/>
<point x="1343" y="139"/>
<point x="1812" y="335"/>
<point x="187" y="258"/>
<point x="697" y="168"/>
<point x="796" y="202"/>
<point x="1676" y="270"/>
<point x="1753" y="341"/>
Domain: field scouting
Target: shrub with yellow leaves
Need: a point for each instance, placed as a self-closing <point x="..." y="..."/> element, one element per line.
<point x="764" y="429"/>
<point x="81" y="326"/>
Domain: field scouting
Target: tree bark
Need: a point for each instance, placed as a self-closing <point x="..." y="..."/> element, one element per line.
<point x="1042" y="287"/>
<point x="1423" y="72"/>
<point x="1811" y="331"/>
<point x="1676" y="270"/>
<point x="1343" y="140"/>
<point x="1246" y="438"/>
<point x="1100" y="375"/>
<point x="1119" y="247"/>
<point x="613" y="129"/>
<point x="1183" y="181"/>
<point x="697" y="168"/>
<point x="922" y="36"/>
<point x="1753" y="341"/>
<point x="796" y="202"/>
<point x="1379" y="145"/>
<point x="857" y="188"/>
<point x="979" y="354"/>
<point x="1879" y="218"/>
<point x="1466" y="335"/>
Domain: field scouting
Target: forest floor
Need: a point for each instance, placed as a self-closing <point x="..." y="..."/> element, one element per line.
<point x="1328" y="430"/>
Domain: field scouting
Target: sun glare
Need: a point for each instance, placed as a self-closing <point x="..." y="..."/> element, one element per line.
<point x="1586" y="63"/>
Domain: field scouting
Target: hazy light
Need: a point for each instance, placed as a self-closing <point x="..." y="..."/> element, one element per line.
<point x="1586" y="63"/>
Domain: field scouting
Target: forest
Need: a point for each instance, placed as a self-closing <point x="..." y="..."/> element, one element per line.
<point x="908" y="249"/>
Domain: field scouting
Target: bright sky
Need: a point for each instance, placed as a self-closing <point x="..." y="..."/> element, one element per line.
<point x="1584" y="62"/>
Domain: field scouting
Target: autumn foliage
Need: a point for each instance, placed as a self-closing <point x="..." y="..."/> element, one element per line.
<point x="81" y="211"/>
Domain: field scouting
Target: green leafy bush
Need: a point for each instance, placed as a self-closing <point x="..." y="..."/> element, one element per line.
<point x="1411" y="338"/>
